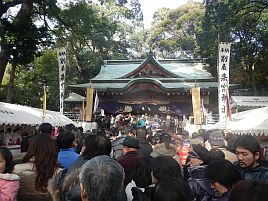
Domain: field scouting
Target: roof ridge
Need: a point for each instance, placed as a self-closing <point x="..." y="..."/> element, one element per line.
<point x="119" y="61"/>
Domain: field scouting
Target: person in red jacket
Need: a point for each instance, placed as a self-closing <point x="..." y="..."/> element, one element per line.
<point x="183" y="152"/>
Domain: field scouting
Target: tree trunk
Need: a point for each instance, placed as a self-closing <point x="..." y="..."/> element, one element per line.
<point x="253" y="83"/>
<point x="10" y="86"/>
<point x="3" y="64"/>
<point x="22" y="16"/>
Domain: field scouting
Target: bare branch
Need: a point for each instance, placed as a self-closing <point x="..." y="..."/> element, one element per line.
<point x="24" y="12"/>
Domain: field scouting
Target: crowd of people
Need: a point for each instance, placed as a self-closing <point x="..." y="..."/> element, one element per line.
<point x="122" y="162"/>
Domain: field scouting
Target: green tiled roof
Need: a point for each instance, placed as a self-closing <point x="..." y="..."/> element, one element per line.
<point x="74" y="97"/>
<point x="116" y="75"/>
<point x="116" y="69"/>
<point x="169" y="86"/>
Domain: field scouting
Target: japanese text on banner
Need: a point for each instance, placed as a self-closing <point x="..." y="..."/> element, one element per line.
<point x="61" y="53"/>
<point x="224" y="59"/>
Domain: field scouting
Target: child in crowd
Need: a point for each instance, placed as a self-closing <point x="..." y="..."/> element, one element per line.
<point x="9" y="183"/>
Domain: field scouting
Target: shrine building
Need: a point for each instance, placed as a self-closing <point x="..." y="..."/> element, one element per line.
<point x="151" y="85"/>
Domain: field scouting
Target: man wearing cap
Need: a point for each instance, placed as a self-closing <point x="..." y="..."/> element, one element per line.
<point x="130" y="157"/>
<point x="216" y="140"/>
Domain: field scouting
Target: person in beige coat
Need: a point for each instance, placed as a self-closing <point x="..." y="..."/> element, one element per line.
<point x="216" y="140"/>
<point x="37" y="167"/>
<point x="165" y="148"/>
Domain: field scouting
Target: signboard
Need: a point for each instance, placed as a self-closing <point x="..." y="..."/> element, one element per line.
<point x="196" y="105"/>
<point x="61" y="54"/>
<point x="224" y="59"/>
<point x="89" y="104"/>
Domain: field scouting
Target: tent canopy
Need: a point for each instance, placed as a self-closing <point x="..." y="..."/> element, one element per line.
<point x="19" y="114"/>
<point x="249" y="101"/>
<point x="254" y="122"/>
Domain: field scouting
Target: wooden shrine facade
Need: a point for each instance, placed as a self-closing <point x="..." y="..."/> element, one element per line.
<point x="156" y="84"/>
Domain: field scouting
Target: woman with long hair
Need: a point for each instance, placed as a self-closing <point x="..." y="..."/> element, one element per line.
<point x="37" y="167"/>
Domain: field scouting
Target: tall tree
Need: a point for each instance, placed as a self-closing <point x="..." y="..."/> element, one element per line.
<point x="96" y="32"/>
<point x="31" y="79"/>
<point x="15" y="23"/>
<point x="174" y="34"/>
<point x="244" y="23"/>
<point x="25" y="33"/>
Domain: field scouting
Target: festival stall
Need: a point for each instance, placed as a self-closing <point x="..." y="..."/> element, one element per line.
<point x="254" y="122"/>
<point x="251" y="122"/>
<point x="13" y="114"/>
<point x="14" y="118"/>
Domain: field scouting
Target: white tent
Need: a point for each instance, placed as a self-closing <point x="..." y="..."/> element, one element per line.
<point x="249" y="101"/>
<point x="19" y="114"/>
<point x="254" y="122"/>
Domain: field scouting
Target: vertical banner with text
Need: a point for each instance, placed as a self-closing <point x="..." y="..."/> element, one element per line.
<point x="196" y="105"/>
<point x="96" y="103"/>
<point x="61" y="54"/>
<point x="89" y="104"/>
<point x="44" y="103"/>
<point x="83" y="110"/>
<point x="224" y="59"/>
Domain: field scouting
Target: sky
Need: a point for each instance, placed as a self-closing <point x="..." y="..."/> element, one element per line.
<point x="150" y="6"/>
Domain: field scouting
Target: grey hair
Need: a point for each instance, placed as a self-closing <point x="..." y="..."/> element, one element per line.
<point x="102" y="177"/>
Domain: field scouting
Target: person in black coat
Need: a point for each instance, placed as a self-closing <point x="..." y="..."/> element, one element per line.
<point x="145" y="148"/>
<point x="130" y="158"/>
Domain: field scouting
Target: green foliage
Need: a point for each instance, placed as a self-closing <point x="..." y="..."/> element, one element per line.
<point x="94" y="32"/>
<point x="243" y="23"/>
<point x="22" y="44"/>
<point x="90" y="31"/>
<point x="31" y="79"/>
<point x="20" y="34"/>
<point x="109" y="29"/>
<point x="88" y="37"/>
<point x="174" y="31"/>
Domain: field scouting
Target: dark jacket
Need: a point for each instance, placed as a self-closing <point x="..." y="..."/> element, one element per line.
<point x="67" y="181"/>
<point x="139" y="195"/>
<point x="199" y="184"/>
<point x="129" y="162"/>
<point x="145" y="148"/>
<point x="259" y="172"/>
<point x="66" y="186"/>
<point x="225" y="196"/>
<point x="117" y="147"/>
